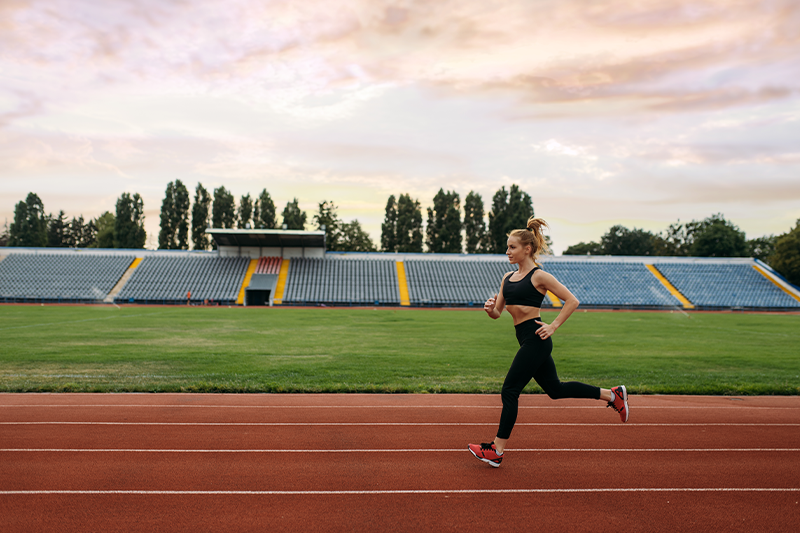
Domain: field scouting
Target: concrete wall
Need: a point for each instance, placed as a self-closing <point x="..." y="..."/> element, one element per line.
<point x="254" y="252"/>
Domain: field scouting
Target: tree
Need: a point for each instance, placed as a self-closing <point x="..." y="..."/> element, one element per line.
<point x="81" y="234"/>
<point x="409" y="225"/>
<point x="105" y="230"/>
<point x="293" y="217"/>
<point x="174" y="234"/>
<point x="353" y="238"/>
<point x="129" y="222"/>
<point x="30" y="223"/>
<point x="327" y="217"/>
<point x="223" y="210"/>
<point x="676" y="240"/>
<point x="717" y="237"/>
<point x="57" y="230"/>
<point x="245" y="212"/>
<point x="510" y="210"/>
<point x="166" y="236"/>
<point x="621" y="241"/>
<point x="389" y="226"/>
<point x="444" y="223"/>
<point x="786" y="258"/>
<point x="4" y="234"/>
<point x="200" y="212"/>
<point x="264" y="212"/>
<point x="474" y="225"/>
<point x="585" y="248"/>
<point x="182" y="214"/>
<point x="762" y="248"/>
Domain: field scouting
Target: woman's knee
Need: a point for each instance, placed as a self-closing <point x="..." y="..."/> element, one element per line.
<point x="510" y="394"/>
<point x="554" y="390"/>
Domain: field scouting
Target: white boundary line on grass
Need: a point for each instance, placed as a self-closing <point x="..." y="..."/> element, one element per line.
<point x="391" y="492"/>
<point x="335" y="424"/>
<point x="386" y="450"/>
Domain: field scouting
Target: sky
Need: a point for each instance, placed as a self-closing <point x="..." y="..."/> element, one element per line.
<point x="606" y="112"/>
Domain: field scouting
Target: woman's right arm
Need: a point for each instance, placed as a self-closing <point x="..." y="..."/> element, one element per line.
<point x="494" y="306"/>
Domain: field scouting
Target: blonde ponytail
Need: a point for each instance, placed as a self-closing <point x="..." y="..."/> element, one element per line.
<point x="533" y="236"/>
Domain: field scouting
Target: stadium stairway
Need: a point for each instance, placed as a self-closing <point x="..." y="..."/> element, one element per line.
<point x="251" y="268"/>
<point x="670" y="287"/>
<point x="122" y="281"/>
<point x="280" y="289"/>
<point x="781" y="284"/>
<point x="402" y="283"/>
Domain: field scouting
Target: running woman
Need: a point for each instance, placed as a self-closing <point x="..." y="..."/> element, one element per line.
<point x="522" y="293"/>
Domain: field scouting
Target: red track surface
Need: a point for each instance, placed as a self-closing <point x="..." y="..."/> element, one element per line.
<point x="185" y="462"/>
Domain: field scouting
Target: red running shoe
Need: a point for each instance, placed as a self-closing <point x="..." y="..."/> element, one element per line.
<point x="486" y="452"/>
<point x="620" y="402"/>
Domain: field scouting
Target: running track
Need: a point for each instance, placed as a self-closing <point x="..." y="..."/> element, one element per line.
<point x="188" y="462"/>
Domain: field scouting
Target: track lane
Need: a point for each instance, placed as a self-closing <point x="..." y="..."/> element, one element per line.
<point x="629" y="436"/>
<point x="448" y="470"/>
<point x="542" y="472"/>
<point x="660" y="512"/>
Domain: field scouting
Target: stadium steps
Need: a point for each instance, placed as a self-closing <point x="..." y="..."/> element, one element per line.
<point x="670" y="287"/>
<point x="785" y="287"/>
<point x="281" y="288"/>
<point x="122" y="281"/>
<point x="251" y="268"/>
<point x="402" y="283"/>
<point x="554" y="300"/>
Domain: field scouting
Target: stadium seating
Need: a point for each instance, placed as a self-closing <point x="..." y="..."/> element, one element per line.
<point x="60" y="277"/>
<point x="268" y="265"/>
<point x="612" y="284"/>
<point x="167" y="279"/>
<point x="372" y="279"/>
<point x="725" y="285"/>
<point x="467" y="282"/>
<point x="341" y="282"/>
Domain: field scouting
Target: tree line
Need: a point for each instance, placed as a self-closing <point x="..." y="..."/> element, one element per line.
<point x="711" y="237"/>
<point x="184" y="222"/>
<point x="33" y="227"/>
<point x="402" y="229"/>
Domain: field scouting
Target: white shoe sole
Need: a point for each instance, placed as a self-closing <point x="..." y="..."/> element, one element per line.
<point x="625" y="401"/>
<point x="496" y="465"/>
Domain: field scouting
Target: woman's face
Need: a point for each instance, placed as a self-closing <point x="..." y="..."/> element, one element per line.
<point x="515" y="252"/>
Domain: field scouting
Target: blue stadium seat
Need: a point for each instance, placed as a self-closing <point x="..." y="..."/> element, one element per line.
<point x="725" y="285"/>
<point x="60" y="277"/>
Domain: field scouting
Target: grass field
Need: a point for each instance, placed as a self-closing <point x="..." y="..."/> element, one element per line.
<point x="159" y="349"/>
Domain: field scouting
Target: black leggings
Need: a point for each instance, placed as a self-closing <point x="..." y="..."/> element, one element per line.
<point x="533" y="360"/>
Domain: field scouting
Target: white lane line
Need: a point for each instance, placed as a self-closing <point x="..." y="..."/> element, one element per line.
<point x="278" y="424"/>
<point x="377" y="492"/>
<point x="208" y="406"/>
<point x="385" y="450"/>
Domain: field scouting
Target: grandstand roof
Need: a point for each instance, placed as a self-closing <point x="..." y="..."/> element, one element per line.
<point x="268" y="237"/>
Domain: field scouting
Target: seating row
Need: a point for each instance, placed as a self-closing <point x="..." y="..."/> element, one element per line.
<point x="59" y="277"/>
<point x="368" y="281"/>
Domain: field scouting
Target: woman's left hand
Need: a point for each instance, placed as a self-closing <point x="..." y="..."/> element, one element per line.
<point x="546" y="330"/>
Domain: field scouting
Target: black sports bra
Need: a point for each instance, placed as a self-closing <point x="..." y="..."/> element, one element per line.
<point x="522" y="292"/>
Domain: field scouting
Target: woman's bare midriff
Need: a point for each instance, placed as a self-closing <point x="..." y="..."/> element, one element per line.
<point x="523" y="313"/>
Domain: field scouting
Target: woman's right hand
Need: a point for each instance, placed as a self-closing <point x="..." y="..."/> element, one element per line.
<point x="489" y="305"/>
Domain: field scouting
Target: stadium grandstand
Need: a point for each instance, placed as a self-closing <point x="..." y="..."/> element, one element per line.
<point x="291" y="268"/>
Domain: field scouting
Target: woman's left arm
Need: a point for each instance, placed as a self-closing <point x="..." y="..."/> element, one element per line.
<point x="543" y="280"/>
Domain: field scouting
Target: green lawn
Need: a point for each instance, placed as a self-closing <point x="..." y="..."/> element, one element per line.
<point x="104" y="348"/>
